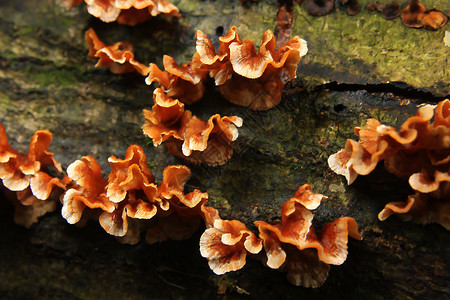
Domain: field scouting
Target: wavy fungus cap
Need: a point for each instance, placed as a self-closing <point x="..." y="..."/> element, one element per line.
<point x="167" y="119"/>
<point x="130" y="12"/>
<point x="290" y="243"/>
<point x="118" y="58"/>
<point x="419" y="151"/>
<point x="246" y="77"/>
<point x="89" y="190"/>
<point x="227" y="244"/>
<point x="184" y="82"/>
<point x="27" y="176"/>
<point x="188" y="137"/>
<point x="423" y="208"/>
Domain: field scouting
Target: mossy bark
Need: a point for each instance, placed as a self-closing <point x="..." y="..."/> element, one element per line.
<point x="48" y="82"/>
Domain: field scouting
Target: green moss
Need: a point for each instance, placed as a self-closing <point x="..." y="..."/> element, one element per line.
<point x="369" y="49"/>
<point x="60" y="77"/>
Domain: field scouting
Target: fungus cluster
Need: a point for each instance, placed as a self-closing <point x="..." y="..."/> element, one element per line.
<point x="118" y="58"/>
<point x="188" y="137"/>
<point x="414" y="15"/>
<point x="290" y="245"/>
<point x="127" y="12"/>
<point x="30" y="176"/>
<point x="244" y="77"/>
<point x="129" y="195"/>
<point x="419" y="151"/>
<point x="128" y="202"/>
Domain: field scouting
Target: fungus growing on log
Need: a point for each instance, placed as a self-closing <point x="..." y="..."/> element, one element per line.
<point x="291" y="243"/>
<point x="416" y="15"/>
<point x="184" y="82"/>
<point x="129" y="202"/>
<point x="388" y="11"/>
<point x="118" y="58"/>
<point x="129" y="191"/>
<point x="247" y="78"/>
<point x="127" y="12"/>
<point x="352" y="7"/>
<point x="418" y="151"/>
<point x="29" y="176"/>
<point x="226" y="245"/>
<point x="188" y="137"/>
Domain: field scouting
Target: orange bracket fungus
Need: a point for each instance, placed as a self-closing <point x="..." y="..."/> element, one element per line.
<point x="128" y="202"/>
<point x="418" y="151"/>
<point x="127" y="12"/>
<point x="289" y="245"/>
<point x="129" y="196"/>
<point x="29" y="176"/>
<point x="188" y="137"/>
<point x="226" y="245"/>
<point x="247" y="78"/>
<point x="184" y="82"/>
<point x="118" y="58"/>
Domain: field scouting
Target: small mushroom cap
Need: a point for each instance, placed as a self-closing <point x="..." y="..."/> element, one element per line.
<point x="423" y="208"/>
<point x="167" y="119"/>
<point x="248" y="64"/>
<point x="427" y="184"/>
<point x="89" y="190"/>
<point x="42" y="185"/>
<point x="388" y="11"/>
<point x="319" y="7"/>
<point x="352" y="7"/>
<point x="16" y="169"/>
<point x="129" y="173"/>
<point x="396" y="207"/>
<point x="118" y="58"/>
<point x="226" y="244"/>
<point x="416" y="15"/>
<point x="183" y="82"/>
<point x="114" y="223"/>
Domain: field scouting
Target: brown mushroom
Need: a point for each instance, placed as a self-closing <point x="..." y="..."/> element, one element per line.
<point x="319" y="7"/>
<point x="388" y="11"/>
<point x="416" y="15"/>
<point x="352" y="7"/>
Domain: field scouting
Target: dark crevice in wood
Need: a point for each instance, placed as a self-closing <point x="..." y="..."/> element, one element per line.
<point x="397" y="88"/>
